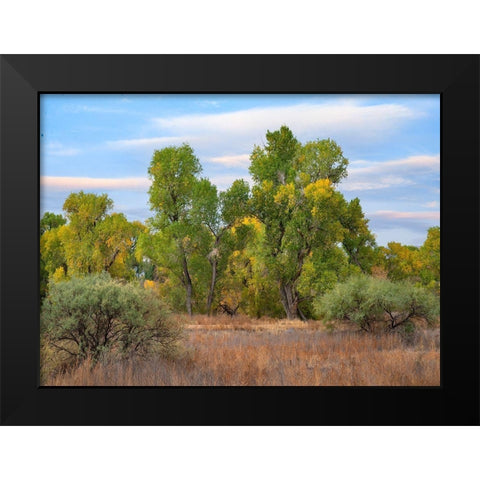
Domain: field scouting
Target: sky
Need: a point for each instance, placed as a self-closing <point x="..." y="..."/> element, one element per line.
<point x="103" y="143"/>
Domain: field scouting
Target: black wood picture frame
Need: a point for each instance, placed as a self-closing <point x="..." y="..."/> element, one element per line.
<point x="24" y="77"/>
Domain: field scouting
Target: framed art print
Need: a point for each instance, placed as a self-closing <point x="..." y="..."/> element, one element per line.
<point x="239" y="240"/>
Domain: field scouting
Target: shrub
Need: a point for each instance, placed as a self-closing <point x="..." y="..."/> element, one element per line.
<point x="370" y="303"/>
<point x="91" y="315"/>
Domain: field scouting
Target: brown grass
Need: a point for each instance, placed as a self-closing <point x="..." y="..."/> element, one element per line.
<point x="220" y="351"/>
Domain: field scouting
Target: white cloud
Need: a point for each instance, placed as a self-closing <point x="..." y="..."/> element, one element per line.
<point x="301" y="118"/>
<point x="367" y="175"/>
<point x="375" y="184"/>
<point x="144" y="142"/>
<point x="394" y="215"/>
<point x="88" y="183"/>
<point x="232" y="133"/>
<point x="232" y="160"/>
<point x="225" y="137"/>
<point x="433" y="204"/>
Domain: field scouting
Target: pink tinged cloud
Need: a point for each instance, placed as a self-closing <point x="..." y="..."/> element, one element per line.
<point x="88" y="183"/>
<point x="393" y="215"/>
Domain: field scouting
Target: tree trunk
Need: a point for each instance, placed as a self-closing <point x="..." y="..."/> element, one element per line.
<point x="289" y="299"/>
<point x="188" y="286"/>
<point x="213" y="259"/>
<point x="212" y="286"/>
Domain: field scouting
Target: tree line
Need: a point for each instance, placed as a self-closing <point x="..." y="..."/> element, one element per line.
<point x="273" y="249"/>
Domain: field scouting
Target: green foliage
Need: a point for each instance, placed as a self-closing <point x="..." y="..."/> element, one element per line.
<point x="430" y="256"/>
<point x="372" y="303"/>
<point x="234" y="202"/>
<point x="321" y="272"/>
<point x="85" y="210"/>
<point x="175" y="236"/>
<point x="358" y="241"/>
<point x="274" y="162"/>
<point x="95" y="314"/>
<point x="173" y="171"/>
<point x="50" y="221"/>
<point x="321" y="159"/>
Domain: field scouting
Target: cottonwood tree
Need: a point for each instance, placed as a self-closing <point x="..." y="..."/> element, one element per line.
<point x="295" y="199"/>
<point x="92" y="241"/>
<point x="95" y="240"/>
<point x="218" y="212"/>
<point x="175" y="238"/>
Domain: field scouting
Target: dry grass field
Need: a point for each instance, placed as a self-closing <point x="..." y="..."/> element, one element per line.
<point x="220" y="351"/>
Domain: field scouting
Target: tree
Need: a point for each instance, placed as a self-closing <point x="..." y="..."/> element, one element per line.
<point x="93" y="240"/>
<point x="218" y="212"/>
<point x="95" y="314"/>
<point x="358" y="241"/>
<point x="295" y="199"/>
<point x="174" y="171"/>
<point x="370" y="303"/>
<point x="85" y="212"/>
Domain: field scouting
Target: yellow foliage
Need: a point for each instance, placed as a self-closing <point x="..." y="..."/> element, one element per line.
<point x="319" y="190"/>
<point x="149" y="285"/>
<point x="59" y="274"/>
<point x="285" y="194"/>
<point x="267" y="185"/>
<point x="253" y="222"/>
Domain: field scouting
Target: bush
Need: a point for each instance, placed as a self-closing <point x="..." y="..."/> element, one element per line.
<point x="92" y="315"/>
<point x="371" y="303"/>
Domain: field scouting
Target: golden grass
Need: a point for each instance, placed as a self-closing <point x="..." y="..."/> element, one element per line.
<point x="220" y="351"/>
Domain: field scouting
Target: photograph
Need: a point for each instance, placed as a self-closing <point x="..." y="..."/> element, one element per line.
<point x="217" y="240"/>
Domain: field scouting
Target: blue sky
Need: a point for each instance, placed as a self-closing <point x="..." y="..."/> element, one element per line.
<point x="104" y="144"/>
